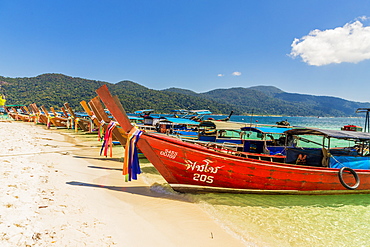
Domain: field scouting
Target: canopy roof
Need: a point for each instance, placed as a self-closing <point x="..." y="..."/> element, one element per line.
<point x="339" y="134"/>
<point x="147" y="111"/>
<point x="200" y="112"/>
<point x="81" y="114"/>
<point x="181" y="111"/>
<point x="181" y="121"/>
<point x="223" y="125"/>
<point x="266" y="130"/>
<point x="135" y="118"/>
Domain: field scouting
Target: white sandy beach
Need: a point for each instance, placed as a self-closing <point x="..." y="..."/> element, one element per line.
<point x="55" y="192"/>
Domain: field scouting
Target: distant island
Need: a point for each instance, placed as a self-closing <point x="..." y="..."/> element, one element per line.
<point x="56" y="89"/>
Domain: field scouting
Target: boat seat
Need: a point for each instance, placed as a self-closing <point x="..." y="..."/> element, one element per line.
<point x="307" y="156"/>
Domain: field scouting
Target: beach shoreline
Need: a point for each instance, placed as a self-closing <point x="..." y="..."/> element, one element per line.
<point x="60" y="192"/>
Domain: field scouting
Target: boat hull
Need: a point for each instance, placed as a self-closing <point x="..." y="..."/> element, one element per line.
<point x="192" y="168"/>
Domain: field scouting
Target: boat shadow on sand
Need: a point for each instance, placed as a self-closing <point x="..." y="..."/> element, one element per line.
<point x="102" y="158"/>
<point x="148" y="191"/>
<point x="150" y="170"/>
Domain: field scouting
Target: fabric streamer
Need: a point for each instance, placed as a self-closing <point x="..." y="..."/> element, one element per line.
<point x="100" y="131"/>
<point x="48" y="125"/>
<point x="131" y="166"/>
<point x="92" y="125"/>
<point x="37" y="119"/>
<point x="108" y="140"/>
<point x="76" y="124"/>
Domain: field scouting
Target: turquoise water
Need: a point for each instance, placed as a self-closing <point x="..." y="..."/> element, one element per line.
<point x="319" y="122"/>
<point x="293" y="220"/>
<point x="286" y="220"/>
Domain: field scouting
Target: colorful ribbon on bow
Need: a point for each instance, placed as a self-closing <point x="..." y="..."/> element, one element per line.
<point x="131" y="166"/>
<point x="76" y="124"/>
<point x="48" y="124"/>
<point x="108" y="140"/>
<point x="100" y="130"/>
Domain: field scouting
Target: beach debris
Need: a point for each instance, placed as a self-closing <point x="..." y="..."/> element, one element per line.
<point x="36" y="236"/>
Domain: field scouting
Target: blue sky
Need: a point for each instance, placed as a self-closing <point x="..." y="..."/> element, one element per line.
<point x="310" y="47"/>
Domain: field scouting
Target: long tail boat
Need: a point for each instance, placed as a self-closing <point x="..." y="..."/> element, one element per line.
<point x="101" y="119"/>
<point x="81" y="123"/>
<point x="54" y="119"/>
<point x="90" y="113"/>
<point x="19" y="112"/>
<point x="189" y="167"/>
<point x="39" y="116"/>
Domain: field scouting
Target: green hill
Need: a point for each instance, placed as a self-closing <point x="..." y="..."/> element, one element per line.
<point x="270" y="100"/>
<point x="56" y="89"/>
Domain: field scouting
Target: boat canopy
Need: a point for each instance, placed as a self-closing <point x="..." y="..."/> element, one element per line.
<point x="148" y="111"/>
<point x="135" y="118"/>
<point x="345" y="135"/>
<point x="81" y="114"/>
<point x="14" y="105"/>
<point x="266" y="130"/>
<point x="223" y="125"/>
<point x="180" y="111"/>
<point x="201" y="112"/>
<point x="181" y="121"/>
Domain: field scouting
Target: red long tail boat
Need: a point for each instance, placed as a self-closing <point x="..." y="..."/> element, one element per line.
<point x="189" y="167"/>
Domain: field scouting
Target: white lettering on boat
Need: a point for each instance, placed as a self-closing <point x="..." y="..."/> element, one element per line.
<point x="203" y="178"/>
<point x="206" y="167"/>
<point x="168" y="153"/>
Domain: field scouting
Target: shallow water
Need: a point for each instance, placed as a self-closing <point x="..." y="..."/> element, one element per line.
<point x="285" y="220"/>
<point x="295" y="220"/>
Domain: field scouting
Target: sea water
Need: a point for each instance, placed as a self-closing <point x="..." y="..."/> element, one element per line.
<point x="293" y="220"/>
<point x="284" y="220"/>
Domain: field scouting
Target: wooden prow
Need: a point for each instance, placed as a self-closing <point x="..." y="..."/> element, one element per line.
<point x="64" y="112"/>
<point x="80" y="123"/>
<point x="53" y="111"/>
<point x="26" y="109"/>
<point x="69" y="109"/>
<point x="89" y="112"/>
<point x="115" y="107"/>
<point x="52" y="120"/>
<point x="100" y="114"/>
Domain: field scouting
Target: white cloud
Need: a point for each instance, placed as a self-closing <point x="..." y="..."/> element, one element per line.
<point x="236" y="73"/>
<point x="220" y="75"/>
<point x="350" y="43"/>
<point x="363" y="18"/>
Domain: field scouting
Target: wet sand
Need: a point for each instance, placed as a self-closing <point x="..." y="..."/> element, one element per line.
<point x="58" y="191"/>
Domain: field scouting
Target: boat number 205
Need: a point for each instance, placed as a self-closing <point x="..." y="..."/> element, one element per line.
<point x="203" y="178"/>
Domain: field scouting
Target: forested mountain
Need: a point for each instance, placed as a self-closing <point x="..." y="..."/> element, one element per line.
<point x="48" y="89"/>
<point x="181" y="91"/>
<point x="269" y="100"/>
<point x="56" y="89"/>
